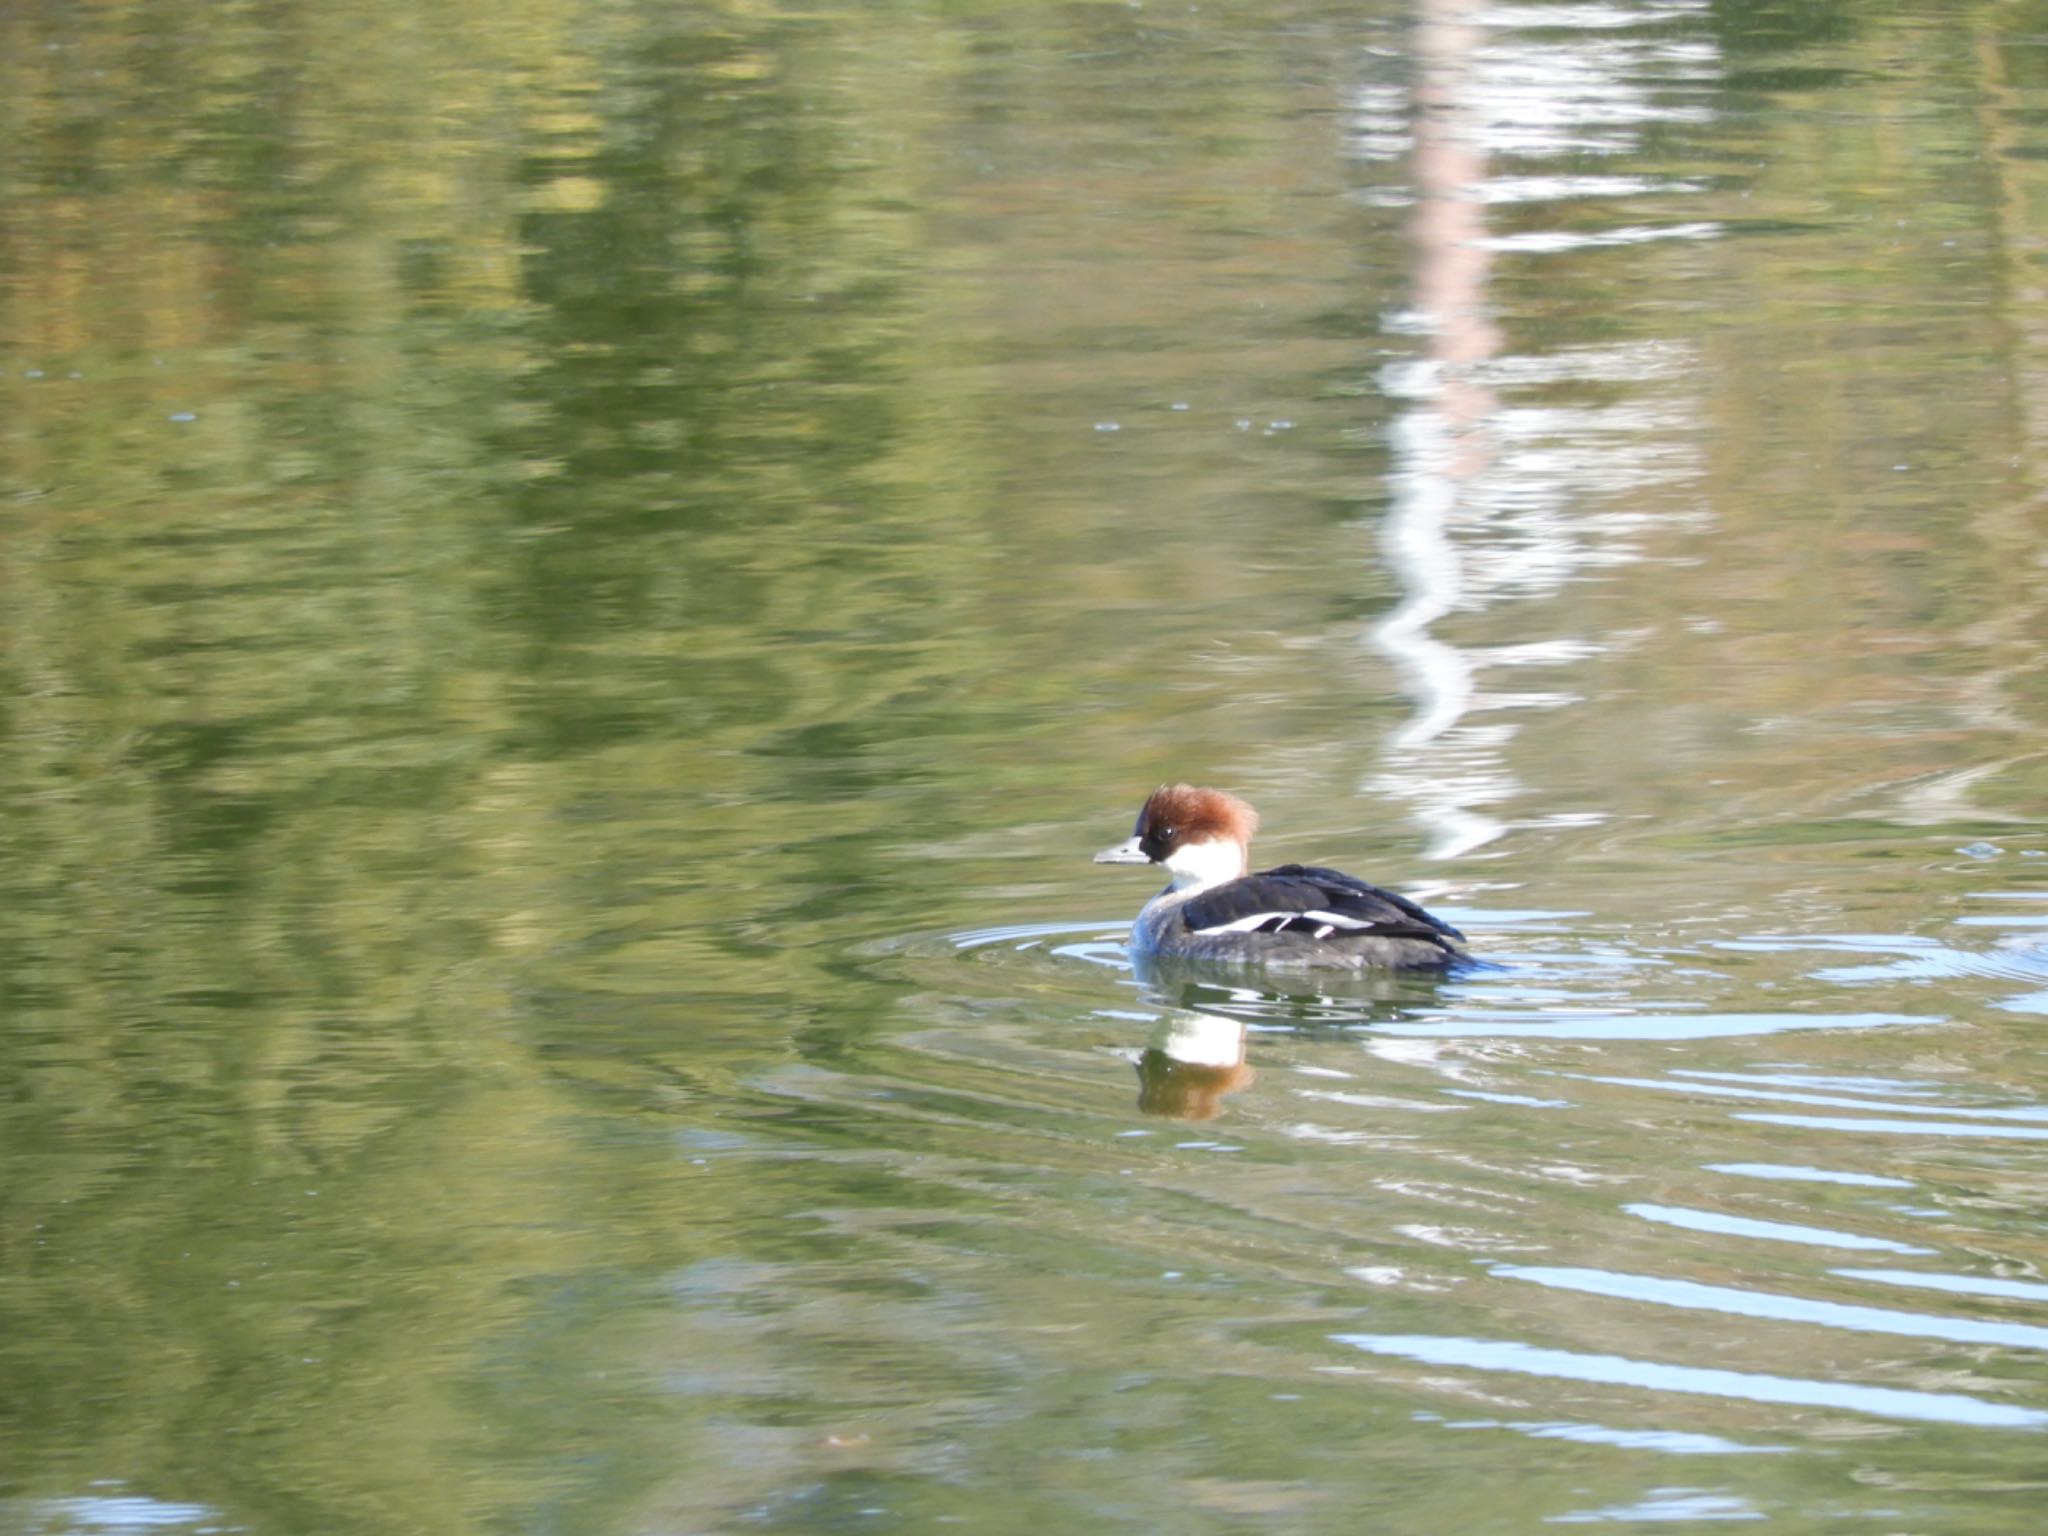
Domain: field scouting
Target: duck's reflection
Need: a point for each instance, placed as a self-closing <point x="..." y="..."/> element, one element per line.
<point x="1304" y="1001"/>
<point x="1196" y="1055"/>
<point x="1191" y="1062"/>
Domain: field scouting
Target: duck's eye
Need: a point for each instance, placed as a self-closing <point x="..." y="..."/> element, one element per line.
<point x="1163" y="834"/>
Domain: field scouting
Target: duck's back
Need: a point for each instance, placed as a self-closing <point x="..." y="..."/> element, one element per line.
<point x="1299" y="914"/>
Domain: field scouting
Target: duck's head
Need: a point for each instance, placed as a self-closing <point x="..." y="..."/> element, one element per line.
<point x="1201" y="836"/>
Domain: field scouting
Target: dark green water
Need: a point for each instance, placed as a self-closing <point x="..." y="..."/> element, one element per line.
<point x="577" y="587"/>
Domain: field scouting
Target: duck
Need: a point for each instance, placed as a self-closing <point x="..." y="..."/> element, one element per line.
<point x="1215" y="909"/>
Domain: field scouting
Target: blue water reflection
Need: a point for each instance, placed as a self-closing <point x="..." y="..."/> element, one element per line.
<point x="109" y="1511"/>
<point x="1699" y="1083"/>
<point x="1669" y="1442"/>
<point x="1645" y="1026"/>
<point x="1917" y="958"/>
<point x="1961" y="1285"/>
<point x="1777" y="1308"/>
<point x="1667" y="1504"/>
<point x="1767" y="1231"/>
<point x="1799" y="1172"/>
<point x="1932" y="1129"/>
<point x="1509" y="1356"/>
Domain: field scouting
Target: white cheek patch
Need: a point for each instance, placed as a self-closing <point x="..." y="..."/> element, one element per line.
<point x="1196" y="866"/>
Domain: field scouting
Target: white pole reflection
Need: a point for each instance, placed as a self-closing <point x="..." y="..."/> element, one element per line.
<point x="1513" y="477"/>
<point x="1441" y="444"/>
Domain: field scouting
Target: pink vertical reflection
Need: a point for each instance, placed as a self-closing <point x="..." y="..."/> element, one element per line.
<point x="1451" y="260"/>
<point x="1442" y="442"/>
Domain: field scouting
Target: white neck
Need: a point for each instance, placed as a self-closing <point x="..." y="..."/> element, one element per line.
<point x="1197" y="866"/>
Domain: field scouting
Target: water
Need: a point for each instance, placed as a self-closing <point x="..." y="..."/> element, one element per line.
<point x="580" y="587"/>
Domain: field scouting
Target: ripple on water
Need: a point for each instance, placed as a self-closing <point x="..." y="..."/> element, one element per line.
<point x="1667" y="1504"/>
<point x="1935" y="1129"/>
<point x="1108" y="936"/>
<point x="1406" y="1195"/>
<point x="1508" y="995"/>
<point x="1965" y="1285"/>
<point x="1919" y="959"/>
<point x="1703" y="1083"/>
<point x="1724" y="1225"/>
<point x="1800" y="1173"/>
<point x="1670" y="1442"/>
<point x="1777" y="1307"/>
<point x="109" y="1511"/>
<point x="1507" y="1355"/>
<point x="1648" y="1026"/>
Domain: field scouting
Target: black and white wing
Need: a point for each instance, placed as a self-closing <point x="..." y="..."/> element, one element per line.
<point x="1310" y="902"/>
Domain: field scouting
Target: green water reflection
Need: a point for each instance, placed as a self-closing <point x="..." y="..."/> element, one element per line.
<point x="552" y="556"/>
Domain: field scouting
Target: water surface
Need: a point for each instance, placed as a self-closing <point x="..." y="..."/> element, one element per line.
<point x="581" y="585"/>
